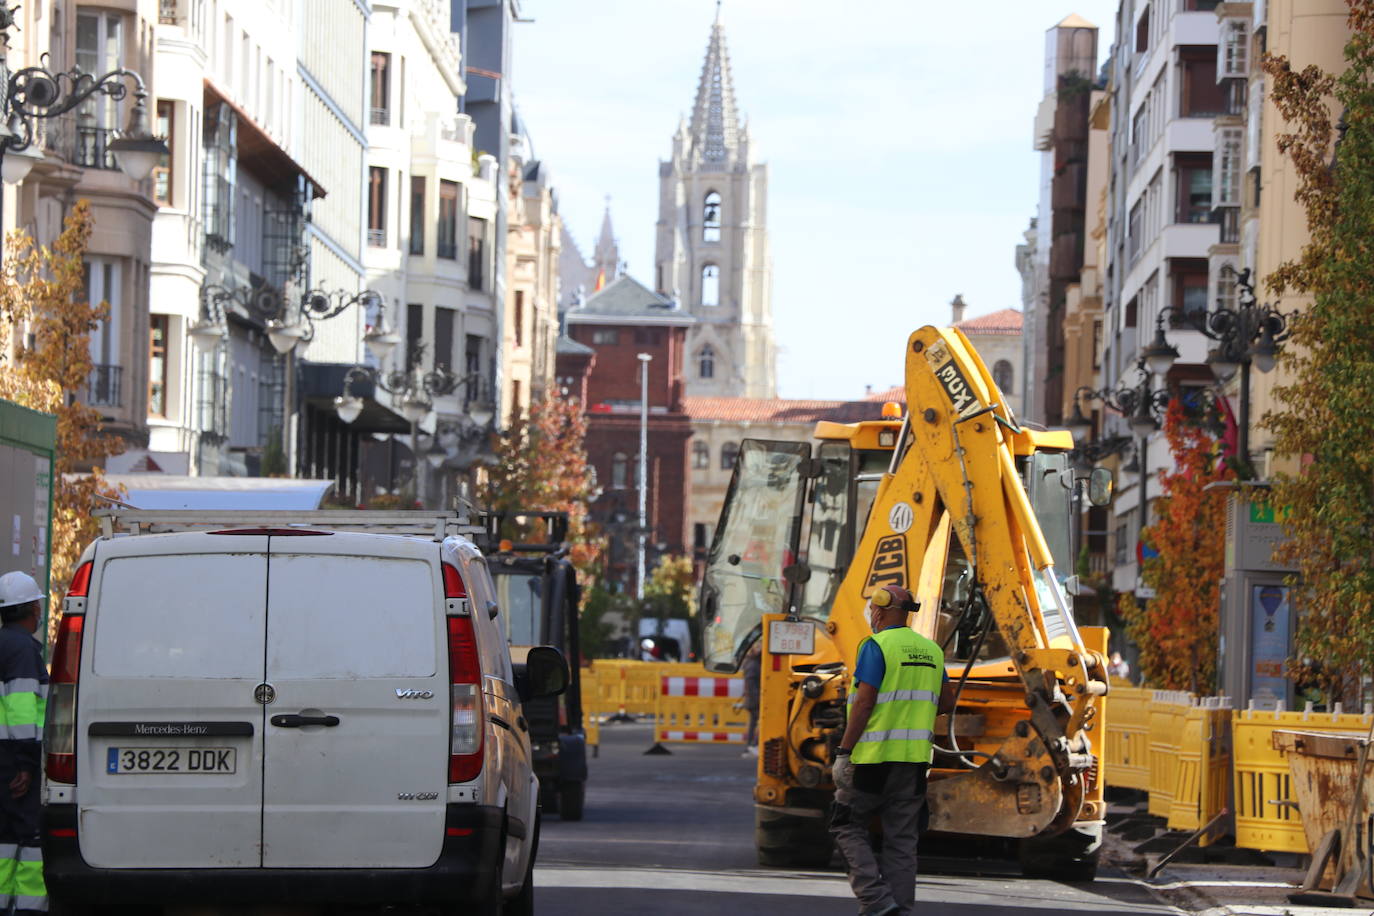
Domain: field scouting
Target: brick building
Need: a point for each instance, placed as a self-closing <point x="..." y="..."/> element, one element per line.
<point x="618" y="323"/>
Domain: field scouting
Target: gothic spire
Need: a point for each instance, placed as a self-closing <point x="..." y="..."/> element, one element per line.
<point x="606" y="257"/>
<point x="714" y="129"/>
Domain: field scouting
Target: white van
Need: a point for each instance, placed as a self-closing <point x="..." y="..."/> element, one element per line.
<point x="259" y="711"/>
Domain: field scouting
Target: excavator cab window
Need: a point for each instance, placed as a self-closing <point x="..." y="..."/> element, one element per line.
<point x="756" y="540"/>
<point x="831" y="543"/>
<point x="962" y="618"/>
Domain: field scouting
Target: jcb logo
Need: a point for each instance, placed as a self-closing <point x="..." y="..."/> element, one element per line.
<point x="889" y="564"/>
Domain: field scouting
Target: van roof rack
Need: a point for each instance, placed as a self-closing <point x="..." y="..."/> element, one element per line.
<point x="431" y="523"/>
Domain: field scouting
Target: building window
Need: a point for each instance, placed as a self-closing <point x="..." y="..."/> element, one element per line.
<point x="606" y="336"/>
<point x="710" y="218"/>
<point x="701" y="455"/>
<point x="1200" y="96"/>
<point x="619" y="465"/>
<point x="519" y="317"/>
<point x="649" y="337"/>
<point x="381" y="88"/>
<point x="706" y="362"/>
<point x="219" y="196"/>
<point x="443" y="338"/>
<point x="446" y="233"/>
<point x="1200" y="6"/>
<point x="376" y="207"/>
<point x="415" y="331"/>
<point x="99" y="49"/>
<point x="162" y="172"/>
<point x="1134" y="230"/>
<point x="1234" y="51"/>
<point x="1193" y="172"/>
<point x="102" y="284"/>
<point x="157" y="365"/>
<point x="728" y="453"/>
<point x="1227" y="168"/>
<point x="1142" y="32"/>
<point x="417" y="214"/>
<point x="514" y="401"/>
<point x="701" y="536"/>
<point x="477" y="252"/>
<point x="1190" y="285"/>
<point x="1226" y="289"/>
<point x="1004" y="376"/>
<point x="710" y="285"/>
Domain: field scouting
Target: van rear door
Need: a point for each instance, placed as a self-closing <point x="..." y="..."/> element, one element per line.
<point x="356" y="748"/>
<point x="169" y="735"/>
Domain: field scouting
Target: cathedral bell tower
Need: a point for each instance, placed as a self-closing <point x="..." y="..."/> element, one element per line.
<point x="711" y="254"/>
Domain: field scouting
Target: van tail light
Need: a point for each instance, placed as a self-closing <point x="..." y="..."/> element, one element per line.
<point x="465" y="679"/>
<point x="453" y="582"/>
<point x="81" y="582"/>
<point x="59" y="732"/>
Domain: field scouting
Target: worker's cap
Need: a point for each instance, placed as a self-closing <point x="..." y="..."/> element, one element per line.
<point x="894" y="596"/>
<point x="18" y="588"/>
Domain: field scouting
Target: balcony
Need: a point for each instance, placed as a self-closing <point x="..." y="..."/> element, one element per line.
<point x="380" y="116"/>
<point x="376" y="238"/>
<point x="78" y="140"/>
<point x="167" y="12"/>
<point x="103" y="386"/>
<point x="1230" y="224"/>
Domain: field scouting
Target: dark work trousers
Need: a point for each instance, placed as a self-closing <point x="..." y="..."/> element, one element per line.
<point x="21" y="859"/>
<point x="896" y="793"/>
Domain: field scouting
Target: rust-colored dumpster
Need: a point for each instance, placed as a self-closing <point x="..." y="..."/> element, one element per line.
<point x="1337" y="812"/>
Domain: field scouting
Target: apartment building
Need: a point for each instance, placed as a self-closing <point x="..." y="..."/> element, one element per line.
<point x="430" y="243"/>
<point x="1165" y="238"/>
<point x="72" y="159"/>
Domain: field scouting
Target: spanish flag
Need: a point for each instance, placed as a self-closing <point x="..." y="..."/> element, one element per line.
<point x="600" y="280"/>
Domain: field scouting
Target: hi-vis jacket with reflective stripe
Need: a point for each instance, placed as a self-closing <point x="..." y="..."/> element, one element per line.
<point x="23" y="699"/>
<point x="903" y="720"/>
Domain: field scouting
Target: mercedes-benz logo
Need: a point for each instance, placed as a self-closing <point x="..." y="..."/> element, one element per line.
<point x="264" y="693"/>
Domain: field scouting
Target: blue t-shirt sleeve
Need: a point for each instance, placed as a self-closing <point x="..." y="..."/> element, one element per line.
<point x="871" y="667"/>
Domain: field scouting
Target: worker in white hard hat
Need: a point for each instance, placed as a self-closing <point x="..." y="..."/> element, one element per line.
<point x="24" y="697"/>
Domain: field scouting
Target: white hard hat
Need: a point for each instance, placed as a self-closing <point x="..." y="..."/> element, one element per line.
<point x="18" y="588"/>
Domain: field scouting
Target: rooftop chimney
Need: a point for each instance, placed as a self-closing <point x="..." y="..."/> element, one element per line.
<point x="956" y="308"/>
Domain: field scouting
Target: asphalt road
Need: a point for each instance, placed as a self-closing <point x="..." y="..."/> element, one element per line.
<point x="673" y="835"/>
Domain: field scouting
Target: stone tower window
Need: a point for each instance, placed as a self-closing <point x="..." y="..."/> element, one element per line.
<point x="710" y="218"/>
<point x="710" y="285"/>
<point x="1004" y="375"/>
<point x="706" y="362"/>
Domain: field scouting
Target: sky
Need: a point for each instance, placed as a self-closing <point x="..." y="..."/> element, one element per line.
<point x="898" y="136"/>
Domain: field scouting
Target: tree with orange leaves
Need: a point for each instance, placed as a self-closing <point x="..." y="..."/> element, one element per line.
<point x="42" y="293"/>
<point x="1177" y="629"/>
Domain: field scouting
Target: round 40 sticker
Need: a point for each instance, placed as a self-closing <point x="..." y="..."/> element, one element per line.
<point x="900" y="517"/>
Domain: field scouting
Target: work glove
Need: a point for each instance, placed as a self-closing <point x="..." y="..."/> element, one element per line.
<point x="842" y="771"/>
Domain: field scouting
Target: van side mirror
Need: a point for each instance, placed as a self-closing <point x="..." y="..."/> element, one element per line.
<point x="545" y="675"/>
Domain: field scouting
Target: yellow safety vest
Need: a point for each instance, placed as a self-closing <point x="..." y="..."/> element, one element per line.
<point x="903" y="720"/>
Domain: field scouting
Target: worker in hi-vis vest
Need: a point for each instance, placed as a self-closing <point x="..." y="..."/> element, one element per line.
<point x="880" y="766"/>
<point x="24" y="700"/>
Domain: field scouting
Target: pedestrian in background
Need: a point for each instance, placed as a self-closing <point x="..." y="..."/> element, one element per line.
<point x="750" y="670"/>
<point x="881" y="764"/>
<point x="24" y="694"/>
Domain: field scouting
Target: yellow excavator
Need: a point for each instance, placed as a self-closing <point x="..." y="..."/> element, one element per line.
<point x="973" y="513"/>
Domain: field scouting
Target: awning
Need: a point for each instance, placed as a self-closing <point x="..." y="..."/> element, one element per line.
<point x="259" y="153"/>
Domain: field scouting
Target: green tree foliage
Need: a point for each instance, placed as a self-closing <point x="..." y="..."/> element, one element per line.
<point x="669" y="590"/>
<point x="1177" y="629"/>
<point x="42" y="293"/>
<point x="1325" y="417"/>
<point x="541" y="465"/>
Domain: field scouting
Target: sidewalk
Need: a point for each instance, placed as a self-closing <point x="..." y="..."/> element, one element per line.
<point x="1260" y="887"/>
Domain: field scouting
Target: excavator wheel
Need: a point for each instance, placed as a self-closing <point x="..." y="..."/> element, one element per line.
<point x="1069" y="856"/>
<point x="790" y="841"/>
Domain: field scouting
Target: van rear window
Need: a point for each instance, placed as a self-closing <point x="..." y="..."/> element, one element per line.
<point x="190" y="615"/>
<point x="351" y="617"/>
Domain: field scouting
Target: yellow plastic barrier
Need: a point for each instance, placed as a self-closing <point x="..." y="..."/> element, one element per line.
<point x="1167" y="711"/>
<point x="1266" y="805"/>
<point x="700" y="710"/>
<point x="1127" y="757"/>
<point x="591" y="716"/>
<point x="1202" y="771"/>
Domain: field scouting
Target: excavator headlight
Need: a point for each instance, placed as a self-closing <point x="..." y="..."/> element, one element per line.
<point x="812" y="687"/>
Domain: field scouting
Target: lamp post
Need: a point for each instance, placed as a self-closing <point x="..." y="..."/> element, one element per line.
<point x="416" y="389"/>
<point x="36" y="92"/>
<point x="644" y="359"/>
<point x="1250" y="333"/>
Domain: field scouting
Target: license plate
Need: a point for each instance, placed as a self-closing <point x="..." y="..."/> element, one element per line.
<point x="122" y="760"/>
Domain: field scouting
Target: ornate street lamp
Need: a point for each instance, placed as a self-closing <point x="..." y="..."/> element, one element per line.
<point x="285" y="330"/>
<point x="415" y="388"/>
<point x="1250" y="333"/>
<point x="37" y="92"/>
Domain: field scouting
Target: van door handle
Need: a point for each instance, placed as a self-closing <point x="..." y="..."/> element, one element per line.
<point x="291" y="720"/>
